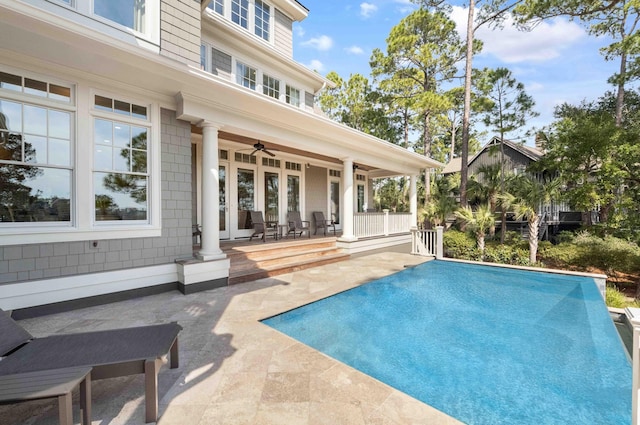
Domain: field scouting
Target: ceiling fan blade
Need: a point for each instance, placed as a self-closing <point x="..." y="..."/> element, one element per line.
<point x="254" y="152"/>
<point x="268" y="153"/>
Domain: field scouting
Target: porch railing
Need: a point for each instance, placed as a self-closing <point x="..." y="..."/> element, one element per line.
<point x="427" y="242"/>
<point x="380" y="223"/>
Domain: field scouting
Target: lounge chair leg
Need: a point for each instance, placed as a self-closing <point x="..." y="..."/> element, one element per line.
<point x="151" y="367"/>
<point x="65" y="409"/>
<point x="173" y="355"/>
<point x="85" y="400"/>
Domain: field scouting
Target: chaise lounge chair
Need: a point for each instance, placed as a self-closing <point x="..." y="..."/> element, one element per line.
<point x="297" y="225"/>
<point x="111" y="353"/>
<point x="322" y="223"/>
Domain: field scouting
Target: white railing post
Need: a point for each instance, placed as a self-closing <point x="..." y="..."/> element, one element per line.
<point x="386" y="223"/>
<point x="414" y="240"/>
<point x="633" y="314"/>
<point x="439" y="242"/>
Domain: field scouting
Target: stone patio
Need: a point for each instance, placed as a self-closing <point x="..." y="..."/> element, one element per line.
<point x="233" y="369"/>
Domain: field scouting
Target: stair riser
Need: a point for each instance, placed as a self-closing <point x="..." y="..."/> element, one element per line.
<point x="275" y="251"/>
<point x="288" y="259"/>
<point x="261" y="274"/>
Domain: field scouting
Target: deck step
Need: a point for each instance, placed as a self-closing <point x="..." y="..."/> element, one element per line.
<point x="257" y="261"/>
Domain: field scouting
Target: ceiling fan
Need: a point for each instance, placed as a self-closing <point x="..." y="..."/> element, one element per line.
<point x="260" y="147"/>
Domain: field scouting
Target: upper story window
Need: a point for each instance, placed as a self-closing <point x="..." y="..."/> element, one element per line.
<point x="141" y="16"/>
<point x="292" y="96"/>
<point x="246" y="75"/>
<point x="252" y="15"/>
<point x="240" y="12"/>
<point x="128" y="13"/>
<point x="271" y="86"/>
<point x="262" y="17"/>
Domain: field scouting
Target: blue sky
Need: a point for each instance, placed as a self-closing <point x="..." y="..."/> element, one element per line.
<point x="557" y="62"/>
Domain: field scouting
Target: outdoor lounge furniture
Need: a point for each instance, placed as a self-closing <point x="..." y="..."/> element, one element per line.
<point x="110" y="353"/>
<point x="56" y="383"/>
<point x="322" y="223"/>
<point x="297" y="225"/>
<point x="261" y="227"/>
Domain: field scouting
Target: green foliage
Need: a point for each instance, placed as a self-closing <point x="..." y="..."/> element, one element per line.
<point x="565" y="236"/>
<point x="507" y="254"/>
<point x="616" y="299"/>
<point x="609" y="254"/>
<point x="460" y="245"/>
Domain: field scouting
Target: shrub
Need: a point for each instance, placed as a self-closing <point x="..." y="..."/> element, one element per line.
<point x="565" y="236"/>
<point x="460" y="245"/>
<point x="616" y="299"/>
<point x="506" y="254"/>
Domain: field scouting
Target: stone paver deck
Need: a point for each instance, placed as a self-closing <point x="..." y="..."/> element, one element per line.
<point x="235" y="370"/>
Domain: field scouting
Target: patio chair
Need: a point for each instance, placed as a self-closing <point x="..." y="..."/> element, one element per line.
<point x="111" y="353"/>
<point x="261" y="227"/>
<point x="322" y="223"/>
<point x="297" y="225"/>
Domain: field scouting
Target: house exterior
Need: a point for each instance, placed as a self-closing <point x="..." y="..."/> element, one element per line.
<point x="125" y="123"/>
<point x="556" y="215"/>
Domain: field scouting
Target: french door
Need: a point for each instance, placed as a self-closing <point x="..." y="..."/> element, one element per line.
<point x="223" y="192"/>
<point x="245" y="200"/>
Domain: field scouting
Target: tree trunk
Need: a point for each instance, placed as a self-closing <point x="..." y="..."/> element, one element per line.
<point x="620" y="95"/>
<point x="533" y="238"/>
<point x="464" y="169"/>
<point x="480" y="242"/>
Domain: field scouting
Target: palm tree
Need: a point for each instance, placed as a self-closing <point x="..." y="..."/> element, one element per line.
<point x="525" y="198"/>
<point x="478" y="222"/>
<point x="487" y="188"/>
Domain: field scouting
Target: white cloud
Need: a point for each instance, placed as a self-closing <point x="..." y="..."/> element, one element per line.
<point x="546" y="41"/>
<point x="367" y="9"/>
<point x="324" y="42"/>
<point x="298" y="30"/>
<point x="354" y="50"/>
<point x="315" y="65"/>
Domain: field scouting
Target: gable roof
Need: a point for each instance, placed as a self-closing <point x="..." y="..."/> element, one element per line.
<point x="455" y="165"/>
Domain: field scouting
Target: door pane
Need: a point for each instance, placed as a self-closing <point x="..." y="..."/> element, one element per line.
<point x="222" y="185"/>
<point x="246" y="190"/>
<point x="360" y="198"/>
<point x="293" y="193"/>
<point x="271" y="191"/>
<point x="335" y="201"/>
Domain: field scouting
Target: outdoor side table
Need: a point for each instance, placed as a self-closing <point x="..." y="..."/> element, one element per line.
<point x="58" y="383"/>
<point x="283" y="229"/>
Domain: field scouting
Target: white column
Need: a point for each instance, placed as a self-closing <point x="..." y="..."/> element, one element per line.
<point x="347" y="201"/>
<point x="413" y="200"/>
<point x="210" y="246"/>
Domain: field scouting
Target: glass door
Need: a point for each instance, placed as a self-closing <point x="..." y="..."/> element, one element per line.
<point x="246" y="197"/>
<point x="271" y="196"/>
<point x="223" y="193"/>
<point x="293" y="193"/>
<point x="334" y="200"/>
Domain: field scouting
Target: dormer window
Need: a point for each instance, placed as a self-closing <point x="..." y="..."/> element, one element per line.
<point x="252" y="15"/>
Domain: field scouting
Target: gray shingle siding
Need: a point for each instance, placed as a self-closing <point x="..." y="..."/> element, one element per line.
<point x="180" y="30"/>
<point x="52" y="260"/>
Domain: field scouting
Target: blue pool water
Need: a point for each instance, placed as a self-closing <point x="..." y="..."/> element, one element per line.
<point x="485" y="345"/>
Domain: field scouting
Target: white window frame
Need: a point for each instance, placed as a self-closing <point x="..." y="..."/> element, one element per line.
<point x="236" y="76"/>
<point x="268" y="89"/>
<point x="82" y="226"/>
<point x="287" y="89"/>
<point x="251" y="18"/>
<point x="81" y="11"/>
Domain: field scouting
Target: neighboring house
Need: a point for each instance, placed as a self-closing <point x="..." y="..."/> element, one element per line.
<point x="124" y="123"/>
<point x="556" y="215"/>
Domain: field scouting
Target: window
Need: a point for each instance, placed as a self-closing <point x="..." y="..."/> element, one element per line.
<point x="292" y="96"/>
<point x="217" y="6"/>
<point x="128" y="13"/>
<point x="270" y="86"/>
<point x="36" y="163"/>
<point x="120" y="171"/>
<point x="240" y="12"/>
<point x="262" y="14"/>
<point x="245" y="75"/>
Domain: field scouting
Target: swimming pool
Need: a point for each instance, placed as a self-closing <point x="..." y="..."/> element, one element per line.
<point x="483" y="344"/>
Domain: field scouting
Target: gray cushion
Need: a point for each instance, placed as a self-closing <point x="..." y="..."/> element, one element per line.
<point x="12" y="335"/>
